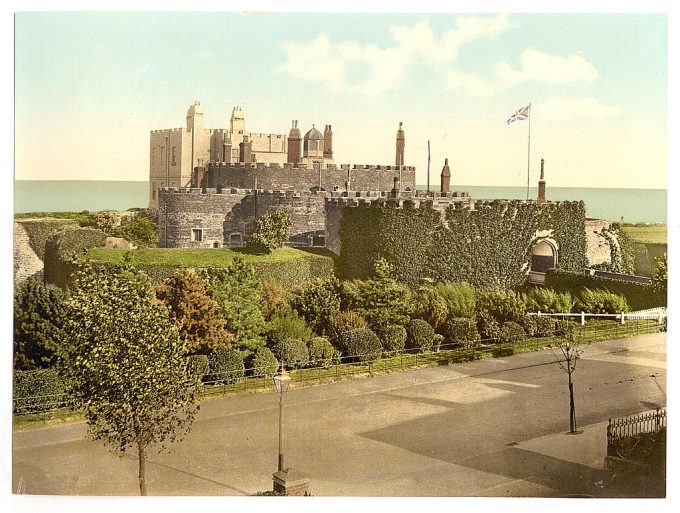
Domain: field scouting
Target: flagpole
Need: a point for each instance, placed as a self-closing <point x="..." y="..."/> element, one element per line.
<point x="529" y="152"/>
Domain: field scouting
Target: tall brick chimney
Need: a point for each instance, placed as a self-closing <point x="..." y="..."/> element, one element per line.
<point x="401" y="142"/>
<point x="198" y="178"/>
<point x="541" y="187"/>
<point x="245" y="151"/>
<point x="446" y="176"/>
<point x="294" y="144"/>
<point x="328" y="142"/>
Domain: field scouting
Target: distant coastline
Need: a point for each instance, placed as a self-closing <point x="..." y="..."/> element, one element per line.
<point x="635" y="205"/>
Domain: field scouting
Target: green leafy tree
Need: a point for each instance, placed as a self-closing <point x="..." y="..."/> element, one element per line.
<point x="285" y="324"/>
<point x="38" y="322"/>
<point x="124" y="364"/>
<point x="262" y="363"/>
<point x="238" y="292"/>
<point x="142" y="229"/>
<point x="272" y="231"/>
<point x="382" y="300"/>
<point x="660" y="278"/>
<point x="196" y="315"/>
<point x="317" y="302"/>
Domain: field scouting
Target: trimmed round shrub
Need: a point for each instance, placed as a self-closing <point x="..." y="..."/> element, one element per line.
<point x="501" y="304"/>
<point x="226" y="365"/>
<point x="528" y="322"/>
<point x="292" y="352"/>
<point x="262" y="363"/>
<point x="511" y="331"/>
<point x="437" y="341"/>
<point x="361" y="345"/>
<point x="419" y="335"/>
<point x="545" y="326"/>
<point x="322" y="353"/>
<point x="341" y="322"/>
<point x="393" y="337"/>
<point x="461" y="331"/>
<point x="487" y="326"/>
<point x="197" y="366"/>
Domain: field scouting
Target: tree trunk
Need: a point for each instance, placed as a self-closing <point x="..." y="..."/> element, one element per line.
<point x="572" y="409"/>
<point x="142" y="468"/>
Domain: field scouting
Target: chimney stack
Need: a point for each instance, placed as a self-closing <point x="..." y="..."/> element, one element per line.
<point x="401" y="142"/>
<point x="446" y="177"/>
<point x="294" y="144"/>
<point x="328" y="142"/>
<point x="541" y="187"/>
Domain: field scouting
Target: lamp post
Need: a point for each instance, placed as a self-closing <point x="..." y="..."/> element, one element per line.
<point x="281" y="382"/>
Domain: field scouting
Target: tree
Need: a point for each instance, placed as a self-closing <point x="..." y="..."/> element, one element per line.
<point x="196" y="315"/>
<point x="38" y="321"/>
<point x="238" y="292"/>
<point x="567" y="352"/>
<point x="381" y="300"/>
<point x="316" y="302"/>
<point x="271" y="232"/>
<point x="142" y="229"/>
<point x="660" y="278"/>
<point x="124" y="363"/>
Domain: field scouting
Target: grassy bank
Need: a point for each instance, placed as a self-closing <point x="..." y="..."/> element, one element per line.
<point x="646" y="233"/>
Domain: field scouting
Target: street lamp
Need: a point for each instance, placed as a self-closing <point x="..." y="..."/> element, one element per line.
<point x="281" y="382"/>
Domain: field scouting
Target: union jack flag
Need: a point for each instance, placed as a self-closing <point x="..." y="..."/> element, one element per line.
<point x="520" y="115"/>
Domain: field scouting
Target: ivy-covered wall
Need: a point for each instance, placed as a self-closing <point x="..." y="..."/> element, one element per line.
<point x="488" y="246"/>
<point x="62" y="246"/>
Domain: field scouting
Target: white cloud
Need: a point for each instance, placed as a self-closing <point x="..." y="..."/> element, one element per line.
<point x="536" y="66"/>
<point x="474" y="85"/>
<point x="338" y="64"/>
<point x="558" y="109"/>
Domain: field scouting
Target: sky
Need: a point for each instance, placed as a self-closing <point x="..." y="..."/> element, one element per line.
<point x="90" y="86"/>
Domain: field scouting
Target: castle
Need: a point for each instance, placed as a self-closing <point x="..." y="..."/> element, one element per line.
<point x="213" y="185"/>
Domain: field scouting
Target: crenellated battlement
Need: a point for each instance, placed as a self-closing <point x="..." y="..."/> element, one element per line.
<point x="287" y="166"/>
<point x="167" y="130"/>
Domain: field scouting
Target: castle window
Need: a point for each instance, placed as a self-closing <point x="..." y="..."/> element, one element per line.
<point x="174" y="163"/>
<point x="197" y="235"/>
<point x="216" y="245"/>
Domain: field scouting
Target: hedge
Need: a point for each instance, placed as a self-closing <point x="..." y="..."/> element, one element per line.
<point x="62" y="246"/>
<point x="638" y="295"/>
<point x="225" y="365"/>
<point x="361" y="345"/>
<point x="37" y="390"/>
<point x="40" y="230"/>
<point x="488" y="247"/>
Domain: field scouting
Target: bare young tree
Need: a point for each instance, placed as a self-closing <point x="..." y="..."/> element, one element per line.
<point x="567" y="351"/>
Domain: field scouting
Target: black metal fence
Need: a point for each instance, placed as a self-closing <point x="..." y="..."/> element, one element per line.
<point x="635" y="425"/>
<point x="358" y="365"/>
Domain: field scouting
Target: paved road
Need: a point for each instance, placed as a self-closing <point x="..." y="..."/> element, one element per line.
<point x="488" y="428"/>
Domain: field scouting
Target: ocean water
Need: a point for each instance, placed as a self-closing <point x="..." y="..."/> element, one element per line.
<point x="634" y="205"/>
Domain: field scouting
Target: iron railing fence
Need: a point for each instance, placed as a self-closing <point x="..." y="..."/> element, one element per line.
<point x="634" y="425"/>
<point x="347" y="366"/>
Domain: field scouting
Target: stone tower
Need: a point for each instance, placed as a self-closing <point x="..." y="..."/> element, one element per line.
<point x="541" y="188"/>
<point x="195" y="117"/>
<point x="237" y="125"/>
<point x="328" y="143"/>
<point x="294" y="144"/>
<point x="313" y="143"/>
<point x="401" y="142"/>
<point x="446" y="177"/>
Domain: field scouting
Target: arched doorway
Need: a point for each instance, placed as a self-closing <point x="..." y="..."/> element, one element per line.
<point x="543" y="258"/>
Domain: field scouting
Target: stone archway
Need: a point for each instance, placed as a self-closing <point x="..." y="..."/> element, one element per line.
<point x="543" y="256"/>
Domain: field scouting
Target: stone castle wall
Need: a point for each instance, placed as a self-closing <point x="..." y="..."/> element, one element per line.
<point x="302" y="178"/>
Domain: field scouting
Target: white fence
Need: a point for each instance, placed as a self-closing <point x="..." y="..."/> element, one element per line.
<point x="659" y="314"/>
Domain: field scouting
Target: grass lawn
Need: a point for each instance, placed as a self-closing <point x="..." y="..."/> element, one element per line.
<point x="205" y="257"/>
<point x="647" y="233"/>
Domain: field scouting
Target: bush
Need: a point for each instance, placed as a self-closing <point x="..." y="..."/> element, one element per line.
<point x="62" y="247"/>
<point x="600" y="301"/>
<point x="316" y="302"/>
<point x="461" y="331"/>
<point x="487" y="326"/>
<point x="342" y="322"/>
<point x="361" y="345"/>
<point x="419" y="335"/>
<point x="502" y="305"/>
<point x="437" y="341"/>
<point x="545" y="326"/>
<point x="430" y="306"/>
<point x="501" y="351"/>
<point x="528" y="322"/>
<point x="511" y="332"/>
<point x="292" y="352"/>
<point x="393" y="337"/>
<point x="460" y="298"/>
<point x="142" y="229"/>
<point x="226" y="366"/>
<point x="322" y="353"/>
<point x="271" y="232"/>
<point x="548" y="300"/>
<point x="197" y="367"/>
<point x="37" y="390"/>
<point x="262" y="363"/>
<point x="285" y="324"/>
<point x="274" y="297"/>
